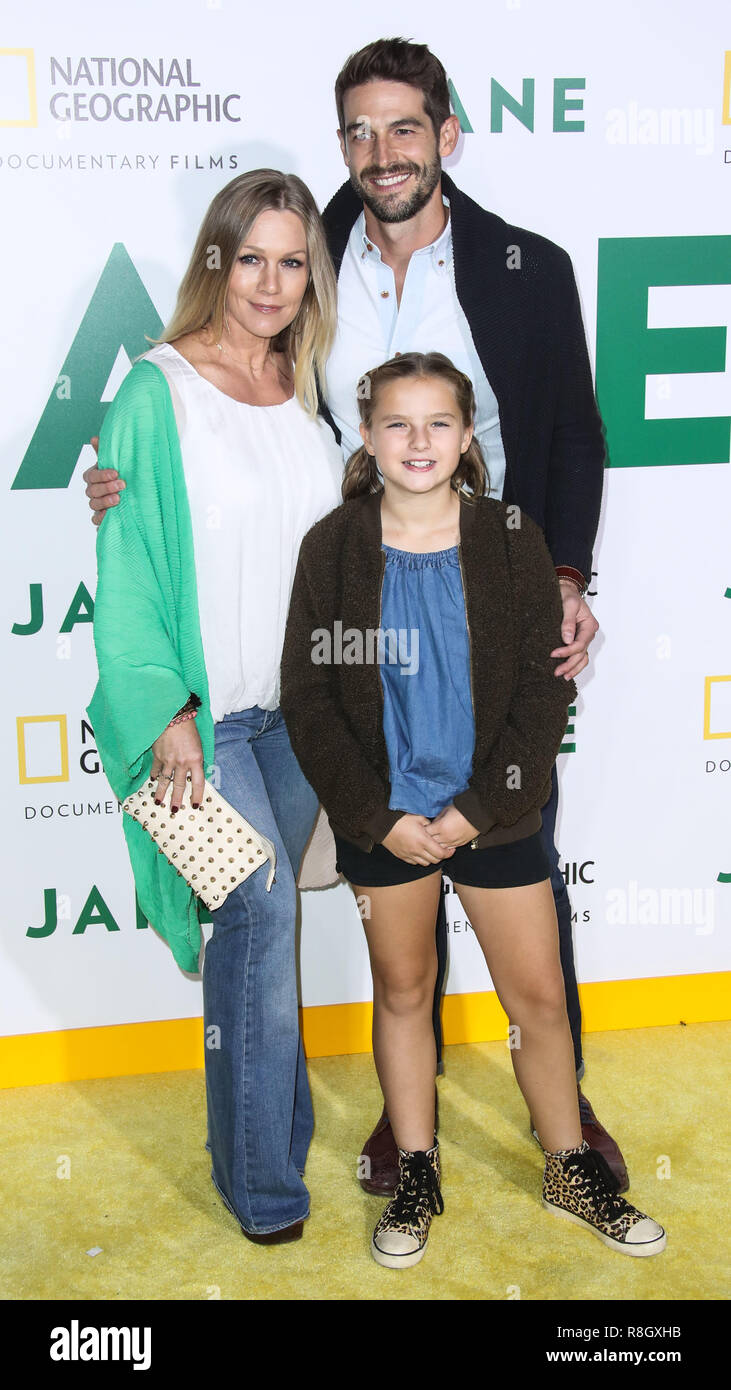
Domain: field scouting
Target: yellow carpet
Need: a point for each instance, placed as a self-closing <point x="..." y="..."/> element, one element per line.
<point x="139" y="1186"/>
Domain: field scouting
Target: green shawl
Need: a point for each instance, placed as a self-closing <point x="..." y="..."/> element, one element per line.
<point x="147" y="631"/>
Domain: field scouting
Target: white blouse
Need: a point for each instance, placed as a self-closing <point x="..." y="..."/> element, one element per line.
<point x="258" y="477"/>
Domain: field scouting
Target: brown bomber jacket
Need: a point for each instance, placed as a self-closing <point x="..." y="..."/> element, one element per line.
<point x="334" y="712"/>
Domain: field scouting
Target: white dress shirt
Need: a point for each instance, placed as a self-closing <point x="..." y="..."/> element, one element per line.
<point x="372" y="327"/>
<point x="257" y="477"/>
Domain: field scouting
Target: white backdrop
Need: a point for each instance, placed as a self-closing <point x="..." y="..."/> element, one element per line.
<point x="644" y="826"/>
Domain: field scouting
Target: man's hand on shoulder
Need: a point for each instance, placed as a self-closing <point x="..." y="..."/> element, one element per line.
<point x="103" y="486"/>
<point x="578" y="628"/>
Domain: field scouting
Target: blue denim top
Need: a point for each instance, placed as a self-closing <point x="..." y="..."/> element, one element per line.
<point x="428" y="723"/>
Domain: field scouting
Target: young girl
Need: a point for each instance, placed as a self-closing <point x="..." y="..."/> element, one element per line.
<point x="421" y="702"/>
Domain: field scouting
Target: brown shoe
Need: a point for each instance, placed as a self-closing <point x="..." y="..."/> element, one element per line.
<point x="280" y="1237"/>
<point x="598" y="1138"/>
<point x="378" y="1164"/>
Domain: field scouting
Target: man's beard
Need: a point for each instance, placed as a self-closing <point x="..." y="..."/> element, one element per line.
<point x="384" y="206"/>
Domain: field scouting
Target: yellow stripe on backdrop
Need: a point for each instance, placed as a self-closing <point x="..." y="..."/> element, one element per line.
<point x="130" y="1049"/>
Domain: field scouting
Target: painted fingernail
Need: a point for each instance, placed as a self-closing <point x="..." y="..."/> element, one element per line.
<point x="196" y="805"/>
<point x="157" y="803"/>
<point x="173" y="809"/>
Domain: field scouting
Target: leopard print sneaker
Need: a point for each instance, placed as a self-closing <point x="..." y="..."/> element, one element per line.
<point x="400" y="1236"/>
<point x="579" y="1184"/>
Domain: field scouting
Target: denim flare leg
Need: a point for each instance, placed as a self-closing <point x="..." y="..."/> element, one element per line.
<point x="257" y="1091"/>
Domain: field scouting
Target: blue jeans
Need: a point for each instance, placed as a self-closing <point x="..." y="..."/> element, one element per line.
<point x="257" y="1091"/>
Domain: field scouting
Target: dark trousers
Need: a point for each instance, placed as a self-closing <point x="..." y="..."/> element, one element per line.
<point x="566" y="945"/>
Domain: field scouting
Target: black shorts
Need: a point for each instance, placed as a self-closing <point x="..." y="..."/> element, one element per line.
<point x="500" y="866"/>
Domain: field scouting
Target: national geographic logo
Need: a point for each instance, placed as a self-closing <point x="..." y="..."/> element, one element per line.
<point x="717" y="707"/>
<point x="18" y="100"/>
<point x="46" y="754"/>
<point x="128" y="90"/>
<point x="43" y="750"/>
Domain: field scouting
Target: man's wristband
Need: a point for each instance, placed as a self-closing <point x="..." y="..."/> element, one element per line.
<point x="576" y="577"/>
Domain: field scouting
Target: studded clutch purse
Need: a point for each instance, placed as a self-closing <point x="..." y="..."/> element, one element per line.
<point x="214" y="849"/>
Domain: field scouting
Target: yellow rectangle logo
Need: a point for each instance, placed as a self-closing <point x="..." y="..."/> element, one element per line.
<point x="39" y="748"/>
<point x="18" y="103"/>
<point x="717" y="710"/>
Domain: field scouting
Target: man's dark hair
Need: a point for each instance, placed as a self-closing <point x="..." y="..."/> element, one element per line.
<point x="397" y="60"/>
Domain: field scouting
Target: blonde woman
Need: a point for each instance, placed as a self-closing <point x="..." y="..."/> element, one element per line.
<point x="226" y="465"/>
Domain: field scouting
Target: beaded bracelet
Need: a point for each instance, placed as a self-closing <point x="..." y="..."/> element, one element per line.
<point x="186" y="711"/>
<point x="180" y="718"/>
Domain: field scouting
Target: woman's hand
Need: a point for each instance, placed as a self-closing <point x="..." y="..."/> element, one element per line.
<point x="410" y="840"/>
<point x="450" y="829"/>
<point x="176" y="753"/>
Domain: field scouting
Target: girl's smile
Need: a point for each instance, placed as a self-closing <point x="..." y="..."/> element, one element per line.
<point x="417" y="432"/>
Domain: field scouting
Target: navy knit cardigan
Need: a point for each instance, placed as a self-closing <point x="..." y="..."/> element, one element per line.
<point x="527" y="328"/>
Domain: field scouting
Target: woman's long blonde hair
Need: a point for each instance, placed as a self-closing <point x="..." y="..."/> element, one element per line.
<point x="361" y="470"/>
<point x="307" y="340"/>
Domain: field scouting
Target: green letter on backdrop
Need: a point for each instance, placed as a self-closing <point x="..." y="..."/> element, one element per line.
<point x="120" y="313"/>
<point x="628" y="351"/>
